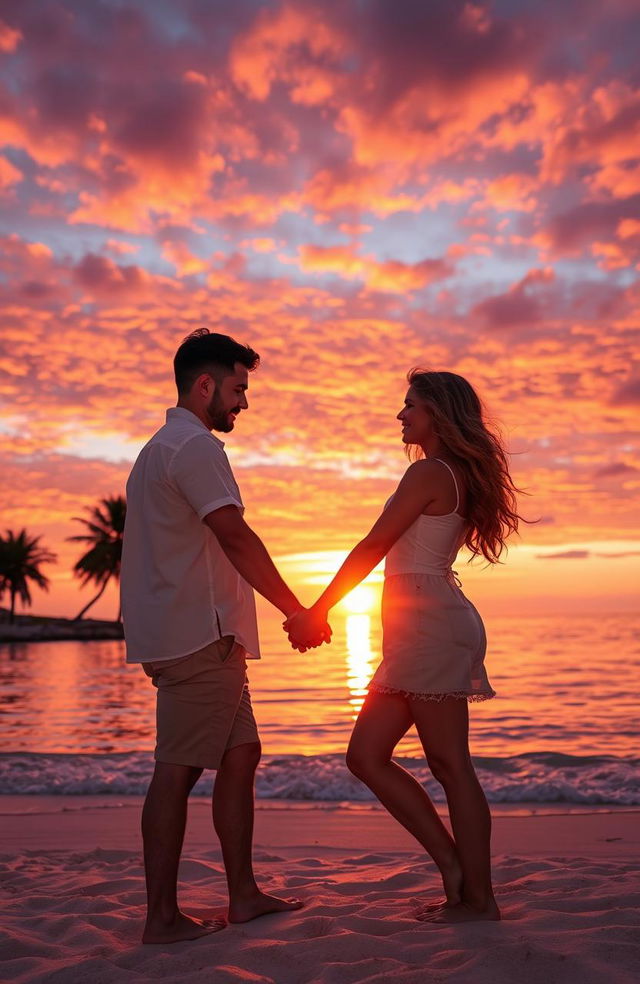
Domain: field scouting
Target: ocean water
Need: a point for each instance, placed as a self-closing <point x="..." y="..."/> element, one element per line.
<point x="563" y="729"/>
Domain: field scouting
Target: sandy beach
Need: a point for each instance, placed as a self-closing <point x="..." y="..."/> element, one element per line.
<point x="73" y="897"/>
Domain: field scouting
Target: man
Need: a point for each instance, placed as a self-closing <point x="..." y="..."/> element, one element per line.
<point x="188" y="567"/>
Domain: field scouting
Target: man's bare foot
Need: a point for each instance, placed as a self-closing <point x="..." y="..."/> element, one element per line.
<point x="260" y="904"/>
<point x="181" y="928"/>
<point x="462" y="913"/>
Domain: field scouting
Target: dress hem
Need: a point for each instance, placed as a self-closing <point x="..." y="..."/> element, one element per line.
<point x="458" y="694"/>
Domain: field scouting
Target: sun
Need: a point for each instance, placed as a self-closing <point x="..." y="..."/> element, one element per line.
<point x="362" y="599"/>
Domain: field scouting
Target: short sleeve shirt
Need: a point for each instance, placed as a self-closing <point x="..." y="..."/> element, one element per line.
<point x="179" y="590"/>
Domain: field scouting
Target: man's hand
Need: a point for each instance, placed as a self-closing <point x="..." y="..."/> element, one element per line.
<point x="307" y="628"/>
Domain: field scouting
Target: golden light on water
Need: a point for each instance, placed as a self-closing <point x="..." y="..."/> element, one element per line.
<point x="360" y="658"/>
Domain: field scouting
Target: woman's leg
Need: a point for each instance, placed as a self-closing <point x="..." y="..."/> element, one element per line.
<point x="382" y="722"/>
<point x="443" y="727"/>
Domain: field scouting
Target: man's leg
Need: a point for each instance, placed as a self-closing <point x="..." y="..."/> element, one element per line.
<point x="164" y="818"/>
<point x="233" y="820"/>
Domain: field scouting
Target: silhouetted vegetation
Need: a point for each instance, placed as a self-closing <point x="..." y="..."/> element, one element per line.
<point x="21" y="557"/>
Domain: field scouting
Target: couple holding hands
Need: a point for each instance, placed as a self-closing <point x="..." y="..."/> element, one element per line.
<point x="189" y="566"/>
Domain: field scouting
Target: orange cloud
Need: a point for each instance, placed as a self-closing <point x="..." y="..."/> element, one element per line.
<point x="10" y="38"/>
<point x="120" y="247"/>
<point x="601" y="131"/>
<point x="391" y="275"/>
<point x="352" y="187"/>
<point x="517" y="192"/>
<point x="9" y="175"/>
<point x="183" y="259"/>
<point x="270" y="51"/>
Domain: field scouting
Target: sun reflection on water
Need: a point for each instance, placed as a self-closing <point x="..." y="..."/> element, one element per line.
<point x="360" y="658"/>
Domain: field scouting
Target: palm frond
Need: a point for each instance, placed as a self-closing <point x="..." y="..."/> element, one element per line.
<point x="104" y="532"/>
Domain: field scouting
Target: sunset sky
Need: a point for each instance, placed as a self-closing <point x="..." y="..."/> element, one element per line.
<point x="353" y="188"/>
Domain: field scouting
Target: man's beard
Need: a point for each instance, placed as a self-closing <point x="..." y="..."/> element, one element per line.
<point x="219" y="416"/>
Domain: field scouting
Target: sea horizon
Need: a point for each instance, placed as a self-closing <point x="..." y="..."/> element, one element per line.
<point x="561" y="732"/>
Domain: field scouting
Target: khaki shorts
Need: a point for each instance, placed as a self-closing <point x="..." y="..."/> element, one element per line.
<point x="203" y="705"/>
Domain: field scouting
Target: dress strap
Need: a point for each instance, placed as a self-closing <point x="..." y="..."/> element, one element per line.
<point x="454" y="481"/>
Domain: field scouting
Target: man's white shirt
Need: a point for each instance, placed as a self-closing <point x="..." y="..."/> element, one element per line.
<point x="179" y="591"/>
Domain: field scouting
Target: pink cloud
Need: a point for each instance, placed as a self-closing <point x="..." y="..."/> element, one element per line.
<point x="569" y="232"/>
<point x="565" y="555"/>
<point x="164" y="126"/>
<point x="99" y="275"/>
<point x="628" y="394"/>
<point x="615" y="470"/>
<point x="518" y="306"/>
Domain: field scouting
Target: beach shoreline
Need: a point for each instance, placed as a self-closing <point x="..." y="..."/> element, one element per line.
<point x="112" y="822"/>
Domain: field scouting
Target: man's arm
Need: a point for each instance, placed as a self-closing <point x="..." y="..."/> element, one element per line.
<point x="251" y="559"/>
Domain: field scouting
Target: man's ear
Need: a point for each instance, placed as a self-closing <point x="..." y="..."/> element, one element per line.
<point x="205" y="385"/>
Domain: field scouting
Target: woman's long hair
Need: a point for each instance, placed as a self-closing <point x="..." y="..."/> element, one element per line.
<point x="491" y="505"/>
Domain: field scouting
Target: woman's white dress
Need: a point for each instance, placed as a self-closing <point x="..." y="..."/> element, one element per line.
<point x="433" y="639"/>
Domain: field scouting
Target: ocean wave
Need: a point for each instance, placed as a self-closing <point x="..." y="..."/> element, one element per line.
<point x="536" y="777"/>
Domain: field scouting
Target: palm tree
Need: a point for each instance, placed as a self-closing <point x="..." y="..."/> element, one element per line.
<point x="101" y="562"/>
<point x="20" y="558"/>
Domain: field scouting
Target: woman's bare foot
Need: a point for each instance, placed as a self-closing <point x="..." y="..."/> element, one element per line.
<point x="428" y="907"/>
<point x="462" y="913"/>
<point x="260" y="904"/>
<point x="452" y="881"/>
<point x="452" y="884"/>
<point x="180" y="929"/>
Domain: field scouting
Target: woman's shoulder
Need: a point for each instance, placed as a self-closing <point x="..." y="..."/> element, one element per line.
<point x="428" y="469"/>
<point x="439" y="480"/>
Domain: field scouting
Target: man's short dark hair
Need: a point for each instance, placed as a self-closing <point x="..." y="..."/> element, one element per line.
<point x="206" y="351"/>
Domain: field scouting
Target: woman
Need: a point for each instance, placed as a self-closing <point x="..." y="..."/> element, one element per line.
<point x="459" y="492"/>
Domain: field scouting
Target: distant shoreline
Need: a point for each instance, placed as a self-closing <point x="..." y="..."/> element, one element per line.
<point x="41" y="628"/>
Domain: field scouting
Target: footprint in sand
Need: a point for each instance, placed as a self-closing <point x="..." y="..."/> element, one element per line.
<point x="311" y="929"/>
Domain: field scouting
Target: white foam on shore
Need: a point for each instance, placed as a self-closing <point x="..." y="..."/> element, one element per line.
<point x="540" y="777"/>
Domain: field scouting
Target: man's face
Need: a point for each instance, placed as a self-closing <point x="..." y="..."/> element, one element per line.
<point x="229" y="398"/>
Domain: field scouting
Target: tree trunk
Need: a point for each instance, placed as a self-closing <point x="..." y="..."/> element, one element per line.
<point x="12" y="613"/>
<point x="92" y="602"/>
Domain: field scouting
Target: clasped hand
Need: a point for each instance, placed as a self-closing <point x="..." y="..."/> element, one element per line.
<point x="307" y="628"/>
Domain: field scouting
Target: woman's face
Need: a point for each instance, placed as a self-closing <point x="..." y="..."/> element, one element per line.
<point x="417" y="421"/>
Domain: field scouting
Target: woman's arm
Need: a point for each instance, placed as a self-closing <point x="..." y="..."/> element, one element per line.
<point x="414" y="493"/>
